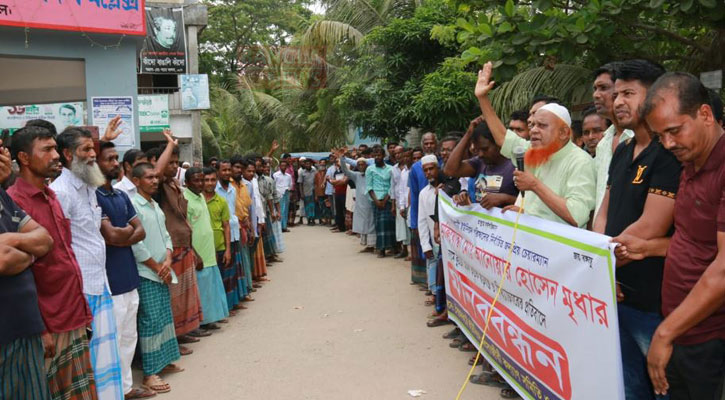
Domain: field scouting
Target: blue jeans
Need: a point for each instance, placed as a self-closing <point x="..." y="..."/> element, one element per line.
<point x="635" y="335"/>
<point x="431" y="266"/>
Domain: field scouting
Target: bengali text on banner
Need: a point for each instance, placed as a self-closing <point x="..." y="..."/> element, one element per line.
<point x="553" y="333"/>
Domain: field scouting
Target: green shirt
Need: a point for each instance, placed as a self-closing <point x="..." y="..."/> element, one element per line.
<point x="569" y="173"/>
<point x="202" y="236"/>
<point x="157" y="239"/>
<point x="379" y="180"/>
<point x="219" y="213"/>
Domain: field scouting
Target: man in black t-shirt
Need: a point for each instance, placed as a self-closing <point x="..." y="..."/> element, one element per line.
<point x="22" y="370"/>
<point x="640" y="199"/>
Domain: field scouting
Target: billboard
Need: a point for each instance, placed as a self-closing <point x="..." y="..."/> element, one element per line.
<point x="61" y="115"/>
<point x="104" y="109"/>
<point x="102" y="16"/>
<point x="153" y="112"/>
<point x="164" y="50"/>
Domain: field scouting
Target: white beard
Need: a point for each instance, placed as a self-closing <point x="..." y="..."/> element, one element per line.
<point x="90" y="174"/>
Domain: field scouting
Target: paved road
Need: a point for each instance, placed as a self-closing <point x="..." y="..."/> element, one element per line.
<point x="331" y="325"/>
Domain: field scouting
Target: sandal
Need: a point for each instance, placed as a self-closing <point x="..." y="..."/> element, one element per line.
<point x="457" y="342"/>
<point x="172" y="369"/>
<point x="438" y="322"/>
<point x="155" y="383"/>
<point x="430" y="302"/>
<point x="453" y="333"/>
<point x="197" y="333"/>
<point x="186" y="339"/>
<point x="468" y="347"/>
<point x="185" y="351"/>
<point x="490" y="378"/>
<point x="481" y="360"/>
<point x="139" y="393"/>
<point x="509" y="393"/>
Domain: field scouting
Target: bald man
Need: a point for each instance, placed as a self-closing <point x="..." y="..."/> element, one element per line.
<point x="559" y="177"/>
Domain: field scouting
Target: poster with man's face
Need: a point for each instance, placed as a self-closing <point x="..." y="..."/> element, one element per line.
<point x="164" y="50"/>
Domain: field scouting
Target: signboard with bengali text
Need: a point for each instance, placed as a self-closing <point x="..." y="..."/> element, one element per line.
<point x="553" y="332"/>
<point x="103" y="16"/>
<point x="153" y="112"/>
<point x="61" y="115"/>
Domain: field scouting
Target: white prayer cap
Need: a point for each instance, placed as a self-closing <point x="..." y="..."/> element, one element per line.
<point x="303" y="158"/>
<point x="185" y="164"/>
<point x="430" y="158"/>
<point x="362" y="159"/>
<point x="558" y="110"/>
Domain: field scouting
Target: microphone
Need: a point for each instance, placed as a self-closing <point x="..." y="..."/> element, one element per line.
<point x="519" y="153"/>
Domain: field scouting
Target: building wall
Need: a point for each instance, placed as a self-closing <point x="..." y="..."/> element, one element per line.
<point x="109" y="72"/>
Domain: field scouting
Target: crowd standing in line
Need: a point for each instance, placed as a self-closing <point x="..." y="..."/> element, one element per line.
<point x="98" y="276"/>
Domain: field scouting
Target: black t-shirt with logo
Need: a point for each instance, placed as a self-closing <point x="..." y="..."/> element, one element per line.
<point x="654" y="171"/>
<point x="19" y="311"/>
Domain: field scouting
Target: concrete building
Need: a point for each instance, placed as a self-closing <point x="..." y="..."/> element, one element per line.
<point x="58" y="52"/>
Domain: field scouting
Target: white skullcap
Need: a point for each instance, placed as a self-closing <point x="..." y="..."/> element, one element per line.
<point x="362" y="159"/>
<point x="430" y="158"/>
<point x="185" y="164"/>
<point x="303" y="158"/>
<point x="560" y="111"/>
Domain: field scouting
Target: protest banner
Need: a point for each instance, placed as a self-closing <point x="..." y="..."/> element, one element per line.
<point x="553" y="332"/>
<point x="102" y="16"/>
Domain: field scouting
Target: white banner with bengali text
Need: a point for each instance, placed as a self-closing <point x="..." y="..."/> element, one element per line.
<point x="553" y="333"/>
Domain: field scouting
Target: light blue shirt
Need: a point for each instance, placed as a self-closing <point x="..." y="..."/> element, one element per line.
<point x="379" y="180"/>
<point x="157" y="239"/>
<point x="331" y="174"/>
<point x="230" y="196"/>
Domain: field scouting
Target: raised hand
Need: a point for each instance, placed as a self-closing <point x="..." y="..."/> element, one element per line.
<point x="112" y="131"/>
<point x="484" y="83"/>
<point x="170" y="138"/>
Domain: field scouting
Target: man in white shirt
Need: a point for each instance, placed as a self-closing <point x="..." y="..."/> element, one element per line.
<point x="130" y="159"/>
<point x="400" y="189"/>
<point x="75" y="189"/>
<point x="283" y="185"/>
<point x="426" y="225"/>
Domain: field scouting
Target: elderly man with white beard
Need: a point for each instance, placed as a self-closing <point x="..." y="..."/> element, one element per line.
<point x="75" y="189"/>
<point x="560" y="177"/>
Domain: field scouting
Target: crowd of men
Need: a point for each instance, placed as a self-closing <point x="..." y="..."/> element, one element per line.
<point x="110" y="262"/>
<point x="643" y="165"/>
<point x="107" y="262"/>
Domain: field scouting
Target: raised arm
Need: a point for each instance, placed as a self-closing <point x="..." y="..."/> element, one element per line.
<point x="165" y="156"/>
<point x="483" y="86"/>
<point x="456" y="166"/>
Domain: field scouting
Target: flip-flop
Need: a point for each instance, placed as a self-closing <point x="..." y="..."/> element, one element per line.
<point x="489" y="380"/>
<point x="430" y="302"/>
<point x="509" y="393"/>
<point x="468" y="347"/>
<point x="185" y="351"/>
<point x="199" y="333"/>
<point x="156" y="384"/>
<point x="139" y="393"/>
<point x="438" y="322"/>
<point x="452" y="334"/>
<point x="186" y="339"/>
<point x="172" y="369"/>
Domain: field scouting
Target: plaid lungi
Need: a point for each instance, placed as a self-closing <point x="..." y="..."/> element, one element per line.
<point x="384" y="227"/>
<point x="245" y="285"/>
<point x="322" y="211"/>
<point x="278" y="239"/>
<point x="229" y="277"/>
<point x="156" y="333"/>
<point x="309" y="202"/>
<point x="69" y="372"/>
<point x="417" y="263"/>
<point x="268" y="240"/>
<point x="105" y="356"/>
<point x="185" y="303"/>
<point x="22" y="370"/>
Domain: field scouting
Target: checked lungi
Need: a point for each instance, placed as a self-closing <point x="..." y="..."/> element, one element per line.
<point x="417" y="262"/>
<point x="284" y="209"/>
<point x="245" y="284"/>
<point x="268" y="240"/>
<point x="185" y="303"/>
<point x="105" y="357"/>
<point x="156" y="333"/>
<point x="384" y="227"/>
<point x="230" y="279"/>
<point x="278" y="239"/>
<point x="309" y="202"/>
<point x="22" y="370"/>
<point x="69" y="371"/>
